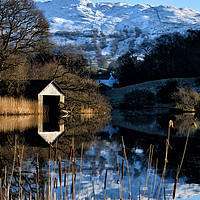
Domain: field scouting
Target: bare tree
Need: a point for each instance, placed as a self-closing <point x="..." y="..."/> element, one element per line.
<point x="73" y="63"/>
<point x="23" y="29"/>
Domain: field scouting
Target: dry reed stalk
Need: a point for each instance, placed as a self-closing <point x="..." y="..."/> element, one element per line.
<point x="155" y="178"/>
<point x="151" y="184"/>
<point x="55" y="157"/>
<point x="64" y="196"/>
<point x="55" y="187"/>
<point x="118" y="175"/>
<point x="60" y="172"/>
<point x="60" y="177"/>
<point x="73" y="174"/>
<point x="151" y="148"/>
<point x="37" y="176"/>
<point x="127" y="168"/>
<point x="65" y="179"/>
<point x="20" y="156"/>
<point x="166" y="161"/>
<point x="139" y="193"/>
<point x="105" y="183"/>
<point x="183" y="156"/>
<point x="13" y="168"/>
<point x="122" y="177"/>
<point x="8" y="192"/>
<point x="171" y="192"/>
<point x="73" y="170"/>
<point x="69" y="167"/>
<point x="37" y="170"/>
<point x="175" y="185"/>
<point x="49" y="188"/>
<point x="44" y="193"/>
<point x="80" y="172"/>
<point x="11" y="105"/>
<point x="49" y="151"/>
<point x="148" y="168"/>
<point x="55" y="160"/>
<point x="5" y="177"/>
<point x="65" y="182"/>
<point x="93" y="190"/>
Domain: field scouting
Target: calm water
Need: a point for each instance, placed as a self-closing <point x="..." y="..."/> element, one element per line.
<point x="102" y="143"/>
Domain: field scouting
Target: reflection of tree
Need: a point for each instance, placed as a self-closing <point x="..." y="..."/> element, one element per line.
<point x="138" y="140"/>
<point x="141" y="118"/>
<point x="184" y="121"/>
<point x="82" y="128"/>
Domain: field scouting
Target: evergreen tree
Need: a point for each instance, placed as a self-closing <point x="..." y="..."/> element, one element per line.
<point x="127" y="71"/>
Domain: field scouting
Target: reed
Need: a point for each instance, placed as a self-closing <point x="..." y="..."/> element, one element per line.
<point x="105" y="183"/>
<point x="151" y="197"/>
<point x="149" y="167"/>
<point x="17" y="106"/>
<point x="80" y="173"/>
<point x="37" y="176"/>
<point x="49" y="193"/>
<point x="122" y="177"/>
<point x="166" y="160"/>
<point x="183" y="156"/>
<point x="118" y="168"/>
<point x="129" y="179"/>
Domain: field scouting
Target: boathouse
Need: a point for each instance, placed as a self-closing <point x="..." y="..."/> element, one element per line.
<point x="54" y="94"/>
<point x="49" y="96"/>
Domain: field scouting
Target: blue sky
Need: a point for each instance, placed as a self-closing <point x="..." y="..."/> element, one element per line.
<point x="194" y="4"/>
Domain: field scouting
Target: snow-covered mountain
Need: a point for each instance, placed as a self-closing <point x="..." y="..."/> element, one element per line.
<point x="104" y="31"/>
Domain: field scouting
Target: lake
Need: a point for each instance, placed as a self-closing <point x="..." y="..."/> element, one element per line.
<point x="106" y="171"/>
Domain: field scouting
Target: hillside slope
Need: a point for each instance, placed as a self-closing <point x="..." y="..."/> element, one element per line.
<point x="116" y="96"/>
<point x="111" y="29"/>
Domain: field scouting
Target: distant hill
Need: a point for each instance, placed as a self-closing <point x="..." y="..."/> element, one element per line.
<point x="104" y="31"/>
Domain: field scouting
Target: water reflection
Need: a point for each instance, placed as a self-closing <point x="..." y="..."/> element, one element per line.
<point x="21" y="122"/>
<point x="34" y="141"/>
<point x="51" y="130"/>
<point x="103" y="150"/>
<point x="156" y="122"/>
<point x="182" y="122"/>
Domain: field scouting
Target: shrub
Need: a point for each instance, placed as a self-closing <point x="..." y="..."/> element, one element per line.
<point x="187" y="99"/>
<point x="139" y="98"/>
<point x="165" y="92"/>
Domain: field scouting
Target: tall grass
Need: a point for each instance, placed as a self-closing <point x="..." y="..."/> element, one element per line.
<point x="17" y="106"/>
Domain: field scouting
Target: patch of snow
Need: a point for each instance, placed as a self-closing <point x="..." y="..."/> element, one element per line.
<point x="132" y="21"/>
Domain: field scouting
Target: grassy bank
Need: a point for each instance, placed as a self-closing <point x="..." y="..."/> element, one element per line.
<point x="17" y="106"/>
<point x="117" y="95"/>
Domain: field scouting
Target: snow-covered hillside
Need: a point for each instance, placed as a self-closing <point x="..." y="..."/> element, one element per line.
<point x="107" y="30"/>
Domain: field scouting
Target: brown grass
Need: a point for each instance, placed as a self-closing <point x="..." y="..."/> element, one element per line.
<point x="17" y="106"/>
